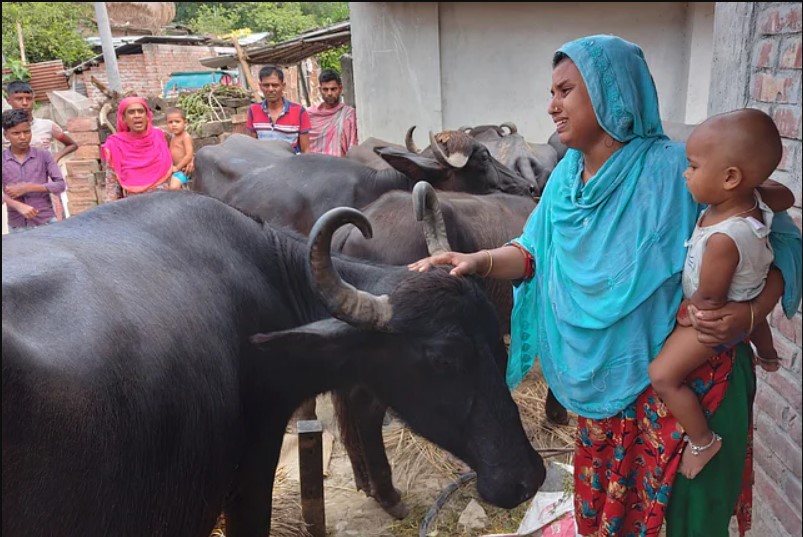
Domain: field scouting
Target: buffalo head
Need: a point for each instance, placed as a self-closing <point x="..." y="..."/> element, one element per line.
<point x="430" y="347"/>
<point x="456" y="161"/>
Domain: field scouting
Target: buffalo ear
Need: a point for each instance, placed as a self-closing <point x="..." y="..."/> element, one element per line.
<point x="310" y="339"/>
<point x="413" y="166"/>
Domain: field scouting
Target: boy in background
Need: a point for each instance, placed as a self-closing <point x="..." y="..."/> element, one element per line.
<point x="26" y="170"/>
<point x="43" y="131"/>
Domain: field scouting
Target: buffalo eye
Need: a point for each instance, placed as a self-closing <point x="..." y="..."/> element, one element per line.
<point x="445" y="359"/>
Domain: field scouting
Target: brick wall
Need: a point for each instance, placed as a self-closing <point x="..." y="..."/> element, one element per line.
<point x="148" y="72"/>
<point x="775" y="87"/>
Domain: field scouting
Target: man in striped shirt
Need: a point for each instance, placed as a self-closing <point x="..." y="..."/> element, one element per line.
<point x="276" y="118"/>
<point x="334" y="123"/>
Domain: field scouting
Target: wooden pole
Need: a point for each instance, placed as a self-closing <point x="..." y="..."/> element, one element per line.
<point x="249" y="78"/>
<point x="107" y="45"/>
<point x="310" y="462"/>
<point x="302" y="81"/>
<point x="22" y="44"/>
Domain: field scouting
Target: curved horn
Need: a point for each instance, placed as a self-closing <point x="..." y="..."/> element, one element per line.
<point x="103" y="117"/>
<point x="427" y="208"/>
<point x="510" y="126"/>
<point x="409" y="143"/>
<point x="343" y="301"/>
<point x="456" y="160"/>
<point x="465" y="128"/>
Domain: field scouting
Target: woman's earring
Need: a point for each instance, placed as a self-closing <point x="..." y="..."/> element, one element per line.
<point x="608" y="142"/>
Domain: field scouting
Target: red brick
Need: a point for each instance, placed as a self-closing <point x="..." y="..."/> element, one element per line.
<point x="769" y="461"/>
<point x="82" y="124"/>
<point x="85" y="138"/>
<point x="88" y="151"/>
<point x="766" y="53"/>
<point x="776" y="88"/>
<point x="786" y="385"/>
<point x="83" y="198"/>
<point x="792" y="55"/>
<point x="788" y="121"/>
<point x="779" y="442"/>
<point x="775" y="408"/>
<point x="791" y="150"/>
<point x="790" y="328"/>
<point x="81" y="206"/>
<point x="792" y="490"/>
<point x="780" y="19"/>
<point x="771" y="495"/>
<point x="77" y="166"/>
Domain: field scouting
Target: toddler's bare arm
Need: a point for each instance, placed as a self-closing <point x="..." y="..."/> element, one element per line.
<point x="717" y="268"/>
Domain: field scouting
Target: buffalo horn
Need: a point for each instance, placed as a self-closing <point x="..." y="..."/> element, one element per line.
<point x="408" y="141"/>
<point x="510" y="126"/>
<point x="427" y="208"/>
<point x="455" y="160"/>
<point x="343" y="301"/>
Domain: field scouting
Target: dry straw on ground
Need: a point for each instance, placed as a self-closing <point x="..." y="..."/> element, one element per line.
<point x="286" y="514"/>
<point x="416" y="460"/>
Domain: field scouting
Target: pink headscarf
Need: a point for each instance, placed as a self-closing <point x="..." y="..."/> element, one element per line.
<point x="141" y="160"/>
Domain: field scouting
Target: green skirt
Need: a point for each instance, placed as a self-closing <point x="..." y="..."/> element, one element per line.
<point x="703" y="506"/>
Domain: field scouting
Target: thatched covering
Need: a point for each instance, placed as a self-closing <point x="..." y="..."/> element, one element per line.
<point x="151" y="16"/>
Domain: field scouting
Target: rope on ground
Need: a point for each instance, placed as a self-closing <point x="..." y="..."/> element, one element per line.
<point x="462" y="479"/>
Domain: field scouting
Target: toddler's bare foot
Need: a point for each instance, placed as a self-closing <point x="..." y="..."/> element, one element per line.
<point x="691" y="464"/>
<point x="768" y="360"/>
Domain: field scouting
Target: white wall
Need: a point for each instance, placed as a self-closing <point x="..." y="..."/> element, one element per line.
<point x="397" y="78"/>
<point x="701" y="53"/>
<point x="491" y="63"/>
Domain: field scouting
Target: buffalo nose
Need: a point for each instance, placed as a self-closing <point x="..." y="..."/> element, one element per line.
<point x="524" y="492"/>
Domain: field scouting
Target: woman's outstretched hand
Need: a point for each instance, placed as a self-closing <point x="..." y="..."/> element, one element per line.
<point x="464" y="264"/>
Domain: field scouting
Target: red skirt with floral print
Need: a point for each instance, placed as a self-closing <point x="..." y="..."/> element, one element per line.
<point x="625" y="465"/>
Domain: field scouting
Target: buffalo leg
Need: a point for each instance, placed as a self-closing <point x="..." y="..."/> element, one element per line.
<point x="369" y="413"/>
<point x="249" y="506"/>
<point x="351" y="441"/>
<point x="555" y="412"/>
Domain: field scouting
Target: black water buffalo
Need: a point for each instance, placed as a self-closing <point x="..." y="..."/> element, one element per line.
<point x="365" y="153"/>
<point x="295" y="191"/>
<point x="136" y="403"/>
<point x="455" y="221"/>
<point x="534" y="162"/>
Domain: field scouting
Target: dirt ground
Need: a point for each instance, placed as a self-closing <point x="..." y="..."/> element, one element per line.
<point x="421" y="479"/>
<point x="349" y="513"/>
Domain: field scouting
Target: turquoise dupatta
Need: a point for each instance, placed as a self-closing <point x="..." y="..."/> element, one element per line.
<point x="609" y="254"/>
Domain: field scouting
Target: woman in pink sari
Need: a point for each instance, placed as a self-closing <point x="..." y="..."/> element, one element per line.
<point x="137" y="157"/>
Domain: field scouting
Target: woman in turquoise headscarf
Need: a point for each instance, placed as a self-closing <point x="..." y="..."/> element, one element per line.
<point x="598" y="285"/>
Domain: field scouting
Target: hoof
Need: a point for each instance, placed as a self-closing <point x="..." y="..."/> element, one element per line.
<point x="558" y="416"/>
<point x="398" y="511"/>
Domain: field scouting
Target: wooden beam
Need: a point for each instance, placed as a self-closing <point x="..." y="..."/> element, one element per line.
<point x="22" y="44"/>
<point x="249" y="78"/>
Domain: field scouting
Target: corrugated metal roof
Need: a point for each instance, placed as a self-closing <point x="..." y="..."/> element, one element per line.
<point x="291" y="51"/>
<point x="133" y="45"/>
<point x="94" y="41"/>
<point x="45" y="77"/>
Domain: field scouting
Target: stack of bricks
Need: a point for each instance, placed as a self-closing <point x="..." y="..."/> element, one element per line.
<point x="84" y="189"/>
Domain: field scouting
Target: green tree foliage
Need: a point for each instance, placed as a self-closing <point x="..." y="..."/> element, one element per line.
<point x="330" y="59"/>
<point x="50" y="30"/>
<point x="283" y="20"/>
